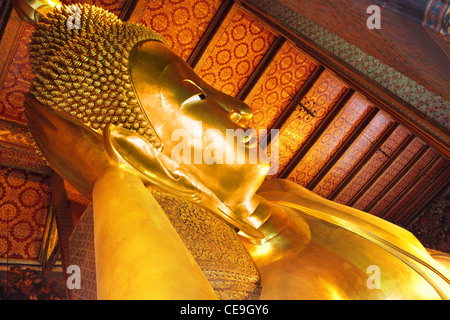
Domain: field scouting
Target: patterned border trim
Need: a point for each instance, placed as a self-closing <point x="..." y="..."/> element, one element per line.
<point x="7" y="262"/>
<point x="431" y="104"/>
<point x="24" y="262"/>
<point x="437" y="15"/>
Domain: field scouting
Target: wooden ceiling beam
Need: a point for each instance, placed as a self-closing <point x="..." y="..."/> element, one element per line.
<point x="398" y="177"/>
<point x="387" y="212"/>
<point x="210" y="31"/>
<point x="127" y="10"/>
<point x="411" y="212"/>
<point x="426" y="128"/>
<point x="317" y="132"/>
<point x="387" y="133"/>
<point x="5" y="12"/>
<point x="17" y="146"/>
<point x="368" y="185"/>
<point x="262" y="66"/>
<point x="343" y="149"/>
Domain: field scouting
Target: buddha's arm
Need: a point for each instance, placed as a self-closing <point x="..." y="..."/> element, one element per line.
<point x="138" y="253"/>
<point x="363" y="240"/>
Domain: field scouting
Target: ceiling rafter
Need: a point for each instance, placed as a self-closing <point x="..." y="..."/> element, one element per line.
<point x="381" y="170"/>
<point x="386" y="134"/>
<point x="408" y="214"/>
<point x="127" y="10"/>
<point x="16" y="146"/>
<point x="398" y="177"/>
<point x="343" y="149"/>
<point x="331" y="115"/>
<point x="5" y="12"/>
<point x="388" y="211"/>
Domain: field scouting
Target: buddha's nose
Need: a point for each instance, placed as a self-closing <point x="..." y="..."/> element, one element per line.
<point x="249" y="139"/>
<point x="239" y="111"/>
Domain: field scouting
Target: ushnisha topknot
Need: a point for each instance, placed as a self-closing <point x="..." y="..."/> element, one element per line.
<point x="79" y="55"/>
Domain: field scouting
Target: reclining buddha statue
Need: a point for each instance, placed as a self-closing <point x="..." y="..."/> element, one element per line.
<point x="107" y="107"/>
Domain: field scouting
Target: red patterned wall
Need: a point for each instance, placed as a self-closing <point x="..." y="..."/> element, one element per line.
<point x="23" y="212"/>
<point x="16" y="76"/>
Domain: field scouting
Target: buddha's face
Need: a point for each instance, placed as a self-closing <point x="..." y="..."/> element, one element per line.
<point x="190" y="116"/>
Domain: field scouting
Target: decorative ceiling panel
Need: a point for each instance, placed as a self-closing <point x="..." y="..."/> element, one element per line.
<point x="331" y="140"/>
<point x="181" y="22"/>
<point x="284" y="77"/>
<point x="426" y="110"/>
<point x="386" y="177"/>
<point x="231" y="57"/>
<point x="429" y="165"/>
<point x="25" y="201"/>
<point x="325" y="93"/>
<point x="370" y="169"/>
<point x="353" y="155"/>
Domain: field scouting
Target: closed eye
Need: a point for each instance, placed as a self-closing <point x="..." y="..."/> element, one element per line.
<point x="196" y="97"/>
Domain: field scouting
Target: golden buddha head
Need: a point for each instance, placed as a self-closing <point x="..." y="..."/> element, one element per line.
<point x="103" y="73"/>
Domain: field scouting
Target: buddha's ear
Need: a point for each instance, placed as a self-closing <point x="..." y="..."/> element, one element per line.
<point x="73" y="150"/>
<point x="132" y="151"/>
<point x="31" y="11"/>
